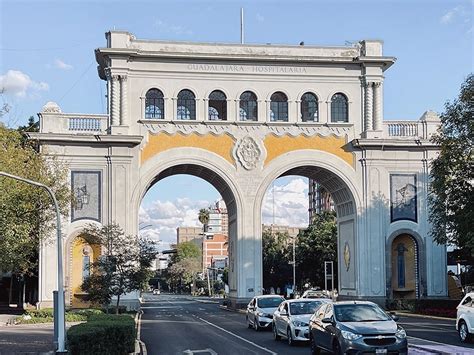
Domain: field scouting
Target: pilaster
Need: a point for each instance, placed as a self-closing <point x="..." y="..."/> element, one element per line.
<point x="123" y="101"/>
<point x="115" y="115"/>
<point x="368" y="122"/>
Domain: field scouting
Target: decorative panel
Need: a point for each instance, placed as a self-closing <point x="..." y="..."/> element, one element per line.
<point x="86" y="189"/>
<point x="403" y="203"/>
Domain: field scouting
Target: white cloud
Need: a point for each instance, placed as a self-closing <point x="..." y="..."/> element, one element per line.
<point x="19" y="84"/>
<point x="260" y="18"/>
<point x="165" y="216"/>
<point x="58" y="63"/>
<point x="291" y="204"/>
<point x="165" y="27"/>
<point x="452" y="15"/>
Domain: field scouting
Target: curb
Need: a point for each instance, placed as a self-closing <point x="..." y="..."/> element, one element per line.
<point x="225" y="308"/>
<point x="140" y="347"/>
<point x="417" y="315"/>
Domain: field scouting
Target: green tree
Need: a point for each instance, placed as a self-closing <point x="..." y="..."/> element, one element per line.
<point x="451" y="197"/>
<point x="27" y="215"/>
<point x="277" y="249"/>
<point x="315" y="245"/>
<point x="204" y="216"/>
<point x="123" y="268"/>
<point x="184" y="266"/>
<point x="31" y="126"/>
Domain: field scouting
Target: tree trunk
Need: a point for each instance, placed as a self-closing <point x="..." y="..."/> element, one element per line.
<point x="10" y="293"/>
<point x="117" y="307"/>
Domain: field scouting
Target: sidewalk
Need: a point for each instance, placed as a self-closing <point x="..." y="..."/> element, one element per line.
<point x="32" y="339"/>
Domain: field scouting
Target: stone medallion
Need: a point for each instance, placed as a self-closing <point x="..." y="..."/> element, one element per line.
<point x="248" y="153"/>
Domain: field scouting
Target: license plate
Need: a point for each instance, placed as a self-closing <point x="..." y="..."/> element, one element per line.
<point x="380" y="351"/>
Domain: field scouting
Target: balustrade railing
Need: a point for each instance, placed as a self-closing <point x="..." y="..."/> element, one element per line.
<point x="85" y="124"/>
<point x="401" y="129"/>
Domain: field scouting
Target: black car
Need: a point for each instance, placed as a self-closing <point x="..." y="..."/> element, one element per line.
<point x="355" y="327"/>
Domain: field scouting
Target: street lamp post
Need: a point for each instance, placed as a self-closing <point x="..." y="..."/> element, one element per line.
<point x="60" y="320"/>
<point x="294" y="265"/>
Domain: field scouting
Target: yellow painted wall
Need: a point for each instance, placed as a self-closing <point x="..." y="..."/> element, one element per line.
<point x="410" y="276"/>
<point x="76" y="270"/>
<point x="279" y="145"/>
<point x="219" y="144"/>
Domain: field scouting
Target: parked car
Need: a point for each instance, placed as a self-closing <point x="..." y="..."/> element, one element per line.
<point x="465" y="318"/>
<point x="315" y="294"/>
<point x="260" y="310"/>
<point x="355" y="326"/>
<point x="291" y="319"/>
<point x="156" y="291"/>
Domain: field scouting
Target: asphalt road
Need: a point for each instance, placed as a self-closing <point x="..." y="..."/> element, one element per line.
<point x="176" y="324"/>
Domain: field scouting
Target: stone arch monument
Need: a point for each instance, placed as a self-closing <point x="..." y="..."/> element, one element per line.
<point x="376" y="171"/>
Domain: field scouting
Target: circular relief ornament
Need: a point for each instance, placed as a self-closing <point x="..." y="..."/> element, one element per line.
<point x="347" y="256"/>
<point x="248" y="153"/>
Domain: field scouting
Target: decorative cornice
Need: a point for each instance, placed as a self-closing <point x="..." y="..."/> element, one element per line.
<point x="239" y="130"/>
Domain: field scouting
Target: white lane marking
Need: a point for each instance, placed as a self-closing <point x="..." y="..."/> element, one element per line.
<point x="238" y="336"/>
<point x="209" y="351"/>
<point x="437" y="343"/>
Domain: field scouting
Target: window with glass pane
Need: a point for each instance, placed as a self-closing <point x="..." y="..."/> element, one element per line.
<point x="154" y="104"/>
<point x="186" y="106"/>
<point x="248" y="106"/>
<point x="309" y="108"/>
<point x="217" y="106"/>
<point x="339" y="108"/>
<point x="279" y="107"/>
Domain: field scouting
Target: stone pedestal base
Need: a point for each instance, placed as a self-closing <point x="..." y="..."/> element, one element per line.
<point x="237" y="303"/>
<point x="119" y="130"/>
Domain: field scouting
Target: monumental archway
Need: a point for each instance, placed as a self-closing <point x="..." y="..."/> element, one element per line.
<point x="240" y="116"/>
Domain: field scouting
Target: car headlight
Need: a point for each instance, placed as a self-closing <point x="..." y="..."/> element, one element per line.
<point x="349" y="335"/>
<point x="298" y="323"/>
<point x="401" y="334"/>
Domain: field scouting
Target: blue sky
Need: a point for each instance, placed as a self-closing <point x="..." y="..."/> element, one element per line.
<point x="47" y="48"/>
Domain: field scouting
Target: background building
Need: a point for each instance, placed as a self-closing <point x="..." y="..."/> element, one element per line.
<point x="274" y="228"/>
<point x="319" y="199"/>
<point x="187" y="234"/>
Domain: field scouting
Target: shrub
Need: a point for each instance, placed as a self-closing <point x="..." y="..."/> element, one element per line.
<point x="40" y="313"/>
<point x="103" y="334"/>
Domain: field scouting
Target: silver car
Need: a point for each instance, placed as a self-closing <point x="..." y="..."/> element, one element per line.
<point x="260" y="311"/>
<point x="291" y="319"/>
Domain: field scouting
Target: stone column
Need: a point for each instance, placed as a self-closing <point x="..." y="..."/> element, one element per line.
<point x="123" y="101"/>
<point x="378" y="106"/>
<point x="236" y="117"/>
<point x="368" y="106"/>
<point x="205" y="108"/>
<point x="298" y="112"/>
<point x="115" y="114"/>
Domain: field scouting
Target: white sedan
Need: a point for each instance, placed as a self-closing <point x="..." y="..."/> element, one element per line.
<point x="260" y="311"/>
<point x="465" y="318"/>
<point x="291" y="319"/>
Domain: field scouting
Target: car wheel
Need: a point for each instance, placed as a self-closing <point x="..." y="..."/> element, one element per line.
<point x="255" y="325"/>
<point x="336" y="348"/>
<point x="464" y="335"/>
<point x="289" y="337"/>
<point x="275" y="332"/>
<point x="314" y="348"/>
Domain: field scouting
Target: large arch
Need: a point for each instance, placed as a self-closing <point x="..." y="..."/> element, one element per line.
<point x="209" y="167"/>
<point x="338" y="178"/>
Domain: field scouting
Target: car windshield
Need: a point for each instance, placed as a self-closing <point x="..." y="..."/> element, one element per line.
<point x="269" y="302"/>
<point x="309" y="307"/>
<point x="359" y="313"/>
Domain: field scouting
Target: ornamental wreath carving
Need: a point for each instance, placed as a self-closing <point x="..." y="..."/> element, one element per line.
<point x="248" y="153"/>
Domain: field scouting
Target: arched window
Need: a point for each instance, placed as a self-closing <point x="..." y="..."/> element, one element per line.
<point x="339" y="108"/>
<point x="217" y="106"/>
<point x="279" y="107"/>
<point x="154" y="104"/>
<point x="186" y="106"/>
<point x="248" y="107"/>
<point x="309" y="108"/>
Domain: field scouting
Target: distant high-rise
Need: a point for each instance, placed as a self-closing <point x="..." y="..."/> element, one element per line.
<point x="319" y="199"/>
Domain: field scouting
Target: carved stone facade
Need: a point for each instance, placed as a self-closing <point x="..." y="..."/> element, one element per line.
<point x="353" y="160"/>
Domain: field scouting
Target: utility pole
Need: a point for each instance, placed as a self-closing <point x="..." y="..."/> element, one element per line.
<point x="294" y="265"/>
<point x="59" y="322"/>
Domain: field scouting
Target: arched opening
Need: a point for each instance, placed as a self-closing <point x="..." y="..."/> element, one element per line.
<point x="154" y="104"/>
<point x="170" y="213"/>
<point x="309" y="108"/>
<point x="217" y="106"/>
<point x="343" y="208"/>
<point x="339" y="108"/>
<point x="186" y="106"/>
<point x="404" y="253"/>
<point x="248" y="106"/>
<point x="279" y="107"/>
<point x="82" y="254"/>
